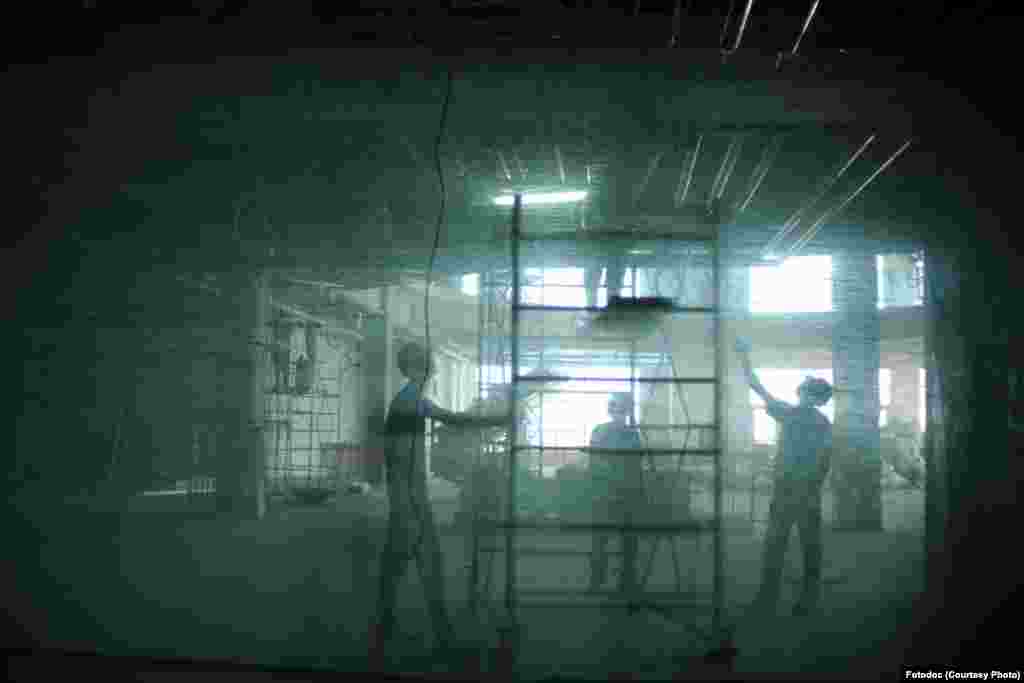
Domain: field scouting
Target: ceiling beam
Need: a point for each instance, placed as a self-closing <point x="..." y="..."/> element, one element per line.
<point x="560" y="162"/>
<point x="686" y="174"/>
<point x="813" y="230"/>
<point x="651" y="168"/>
<point x="761" y="171"/>
<point x="519" y="165"/>
<point x="827" y="183"/>
<point x="743" y="26"/>
<point x="725" y="170"/>
<point x="803" y="31"/>
<point x="503" y="170"/>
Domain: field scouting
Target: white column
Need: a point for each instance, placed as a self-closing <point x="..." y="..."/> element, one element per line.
<point x="856" y="356"/>
<point x="378" y="378"/>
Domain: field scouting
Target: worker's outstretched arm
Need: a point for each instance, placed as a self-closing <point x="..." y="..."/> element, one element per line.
<point x="429" y="409"/>
<point x="467" y="419"/>
<point x="743" y="349"/>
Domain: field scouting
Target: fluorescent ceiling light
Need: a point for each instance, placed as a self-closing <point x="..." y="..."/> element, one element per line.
<point x="641" y="252"/>
<point x="542" y="198"/>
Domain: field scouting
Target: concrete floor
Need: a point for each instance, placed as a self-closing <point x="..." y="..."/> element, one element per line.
<point x="297" y="589"/>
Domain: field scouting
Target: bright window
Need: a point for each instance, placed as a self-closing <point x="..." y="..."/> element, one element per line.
<point x="471" y="284"/>
<point x="900" y="280"/>
<point x="884" y="395"/>
<point x="802" y="284"/>
<point x="569" y="416"/>
<point x="565" y="287"/>
<point x="765" y="428"/>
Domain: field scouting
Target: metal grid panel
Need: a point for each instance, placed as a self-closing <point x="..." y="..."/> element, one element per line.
<point x="304" y="437"/>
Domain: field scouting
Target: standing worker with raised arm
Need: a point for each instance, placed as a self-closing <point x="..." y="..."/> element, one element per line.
<point x="802" y="463"/>
<point x="412" y="533"/>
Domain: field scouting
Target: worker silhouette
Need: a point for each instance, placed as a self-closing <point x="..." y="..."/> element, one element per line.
<point x="802" y="463"/>
<point x="616" y="487"/>
<point x="411" y="532"/>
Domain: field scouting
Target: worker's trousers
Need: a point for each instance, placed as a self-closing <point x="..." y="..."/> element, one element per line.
<point x="793" y="503"/>
<point x="621" y="511"/>
<point x="412" y="535"/>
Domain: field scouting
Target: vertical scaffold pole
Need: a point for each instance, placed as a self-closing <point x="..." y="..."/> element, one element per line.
<point x="718" y="552"/>
<point x="509" y="637"/>
<point x="472" y="500"/>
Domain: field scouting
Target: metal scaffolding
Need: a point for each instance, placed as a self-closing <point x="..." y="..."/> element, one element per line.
<point x="546" y="352"/>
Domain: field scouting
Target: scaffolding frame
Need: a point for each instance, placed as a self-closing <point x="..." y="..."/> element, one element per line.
<point x="492" y="449"/>
<point x="663" y="603"/>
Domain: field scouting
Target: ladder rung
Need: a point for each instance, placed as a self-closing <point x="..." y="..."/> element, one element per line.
<point x="653" y="427"/>
<point x="562" y="604"/>
<point x="638" y="380"/>
<point x="637" y="598"/>
<point x="598" y="309"/>
<point x="630" y="236"/>
<point x="696" y="526"/>
<point x="539" y="552"/>
<point x="618" y="451"/>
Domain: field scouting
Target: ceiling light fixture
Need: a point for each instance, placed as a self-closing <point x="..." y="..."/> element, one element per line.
<point x="542" y="198"/>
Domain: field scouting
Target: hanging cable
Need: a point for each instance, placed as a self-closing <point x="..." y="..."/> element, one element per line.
<point x="426" y="308"/>
<point x="443" y="209"/>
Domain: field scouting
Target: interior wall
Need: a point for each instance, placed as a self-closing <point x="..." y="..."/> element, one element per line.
<point x="974" y="471"/>
<point x="140" y="395"/>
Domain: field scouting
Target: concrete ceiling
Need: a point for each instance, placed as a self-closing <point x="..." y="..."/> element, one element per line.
<point x="347" y="167"/>
<point x="321" y="159"/>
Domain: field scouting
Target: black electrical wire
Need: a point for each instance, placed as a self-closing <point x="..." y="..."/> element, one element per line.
<point x="426" y="302"/>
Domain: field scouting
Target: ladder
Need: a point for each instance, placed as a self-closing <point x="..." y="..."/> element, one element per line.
<point x="529" y="251"/>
